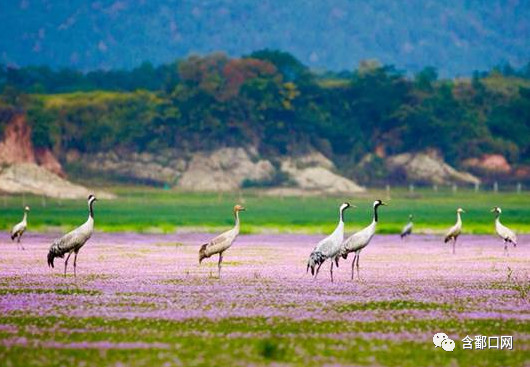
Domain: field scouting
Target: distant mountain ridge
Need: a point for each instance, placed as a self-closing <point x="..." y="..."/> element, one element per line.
<point x="456" y="37"/>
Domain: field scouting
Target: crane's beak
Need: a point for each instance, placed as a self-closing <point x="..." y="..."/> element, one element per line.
<point x="383" y="203"/>
<point x="492" y="210"/>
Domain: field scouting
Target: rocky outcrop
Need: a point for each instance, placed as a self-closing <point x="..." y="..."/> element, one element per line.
<point x="315" y="172"/>
<point x="16" y="147"/>
<point x="163" y="168"/>
<point x="522" y="172"/>
<point x="224" y="170"/>
<point x="45" y="158"/>
<point x="427" y="167"/>
<point x="33" y="179"/>
<point x="488" y="163"/>
<point x="33" y="171"/>
<point x="221" y="170"/>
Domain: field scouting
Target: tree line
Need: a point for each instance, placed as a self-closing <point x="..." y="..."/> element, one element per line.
<point x="272" y="101"/>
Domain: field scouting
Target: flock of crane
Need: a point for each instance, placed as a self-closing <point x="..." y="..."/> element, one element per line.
<point x="332" y="247"/>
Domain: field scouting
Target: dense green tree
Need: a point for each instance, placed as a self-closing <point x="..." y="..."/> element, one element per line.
<point x="273" y="102"/>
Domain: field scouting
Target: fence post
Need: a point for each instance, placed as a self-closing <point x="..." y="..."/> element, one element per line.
<point x="495" y="187"/>
<point x="477" y="186"/>
<point x="454" y="188"/>
<point x="411" y="188"/>
<point x="519" y="188"/>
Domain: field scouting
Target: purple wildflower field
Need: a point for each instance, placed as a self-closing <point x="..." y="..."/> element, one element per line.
<point x="143" y="299"/>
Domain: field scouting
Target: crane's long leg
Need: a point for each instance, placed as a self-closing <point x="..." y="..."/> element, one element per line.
<point x="18" y="240"/>
<point x="454" y="245"/>
<point x="331" y="270"/>
<point x="66" y="263"/>
<point x="219" y="264"/>
<point x="318" y="269"/>
<point x="506" y="249"/>
<point x="353" y="265"/>
<point x="358" y="275"/>
<point x="75" y="261"/>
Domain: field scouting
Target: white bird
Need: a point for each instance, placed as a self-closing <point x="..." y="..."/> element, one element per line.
<point x="19" y="228"/>
<point x="407" y="230"/>
<point x="74" y="240"/>
<point x="454" y="231"/>
<point x="329" y="247"/>
<point x="504" y="232"/>
<point x="360" y="240"/>
<point x="222" y="242"/>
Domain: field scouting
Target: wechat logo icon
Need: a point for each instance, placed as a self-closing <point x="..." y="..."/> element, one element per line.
<point x="443" y="341"/>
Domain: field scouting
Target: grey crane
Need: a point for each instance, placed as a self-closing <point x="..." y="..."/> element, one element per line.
<point x="221" y="243"/>
<point x="356" y="242"/>
<point x="18" y="229"/>
<point x="74" y="240"/>
<point x="329" y="247"/>
<point x="407" y="230"/>
<point x="454" y="231"/>
<point x="502" y="231"/>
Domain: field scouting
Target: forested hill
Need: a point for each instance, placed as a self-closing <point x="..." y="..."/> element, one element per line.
<point x="455" y="36"/>
<point x="274" y="103"/>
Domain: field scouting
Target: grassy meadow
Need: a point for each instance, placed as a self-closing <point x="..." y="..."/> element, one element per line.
<point x="143" y="300"/>
<point x="150" y="210"/>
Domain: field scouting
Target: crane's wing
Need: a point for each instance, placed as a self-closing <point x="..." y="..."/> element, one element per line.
<point x="506" y="233"/>
<point x="452" y="232"/>
<point x="325" y="246"/>
<point x="63" y="244"/>
<point x="71" y="241"/>
<point x="17" y="228"/>
<point x="357" y="241"/>
<point x="407" y="229"/>
<point x="220" y="243"/>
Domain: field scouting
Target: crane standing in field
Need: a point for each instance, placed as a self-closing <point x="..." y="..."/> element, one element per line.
<point x="329" y="247"/>
<point x="19" y="228"/>
<point x="74" y="240"/>
<point x="360" y="240"/>
<point x="454" y="231"/>
<point x="407" y="230"/>
<point x="504" y="232"/>
<point x="222" y="242"/>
